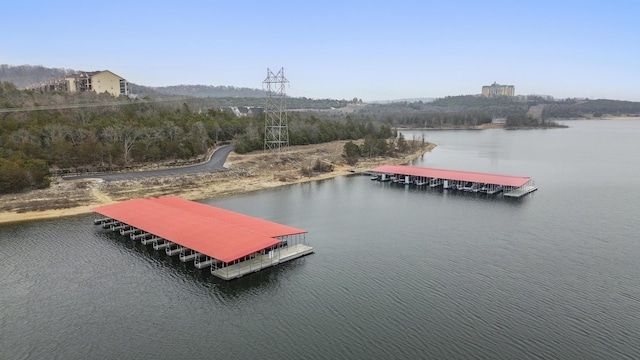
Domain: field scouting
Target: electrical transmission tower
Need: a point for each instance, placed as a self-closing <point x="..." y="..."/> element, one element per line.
<point x="276" y="131"/>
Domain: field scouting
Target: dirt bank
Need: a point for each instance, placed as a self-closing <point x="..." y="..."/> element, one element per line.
<point x="248" y="172"/>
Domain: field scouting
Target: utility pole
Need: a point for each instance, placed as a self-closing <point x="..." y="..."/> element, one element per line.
<point x="276" y="131"/>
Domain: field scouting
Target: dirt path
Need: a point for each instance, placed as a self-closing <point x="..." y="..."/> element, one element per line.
<point x="536" y="111"/>
<point x="100" y="196"/>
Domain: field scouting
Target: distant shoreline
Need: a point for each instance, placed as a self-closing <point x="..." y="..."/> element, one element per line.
<point x="616" y="118"/>
<point x="95" y="195"/>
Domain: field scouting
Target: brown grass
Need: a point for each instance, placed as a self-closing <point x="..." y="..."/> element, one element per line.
<point x="248" y="172"/>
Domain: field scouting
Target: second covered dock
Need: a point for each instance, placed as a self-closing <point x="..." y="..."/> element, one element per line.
<point x="510" y="186"/>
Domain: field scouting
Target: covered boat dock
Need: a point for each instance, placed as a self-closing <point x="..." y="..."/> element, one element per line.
<point x="229" y="243"/>
<point x="509" y="186"/>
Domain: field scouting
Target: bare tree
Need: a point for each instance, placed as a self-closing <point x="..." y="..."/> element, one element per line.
<point x="54" y="132"/>
<point x="198" y="134"/>
<point x="77" y="136"/>
<point x="23" y="136"/>
<point x="170" y="130"/>
<point x="126" y="135"/>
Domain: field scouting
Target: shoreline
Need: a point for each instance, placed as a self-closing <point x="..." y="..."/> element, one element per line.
<point x="247" y="173"/>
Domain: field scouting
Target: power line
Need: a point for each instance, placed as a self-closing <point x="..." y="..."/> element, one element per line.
<point x="88" y="105"/>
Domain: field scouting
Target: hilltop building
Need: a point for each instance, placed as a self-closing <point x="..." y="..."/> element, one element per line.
<point x="496" y="89"/>
<point x="97" y="81"/>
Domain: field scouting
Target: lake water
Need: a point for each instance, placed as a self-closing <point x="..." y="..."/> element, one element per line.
<point x="398" y="272"/>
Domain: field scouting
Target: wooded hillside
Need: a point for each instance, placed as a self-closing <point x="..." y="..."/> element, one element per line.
<point x="112" y="135"/>
<point x="25" y="75"/>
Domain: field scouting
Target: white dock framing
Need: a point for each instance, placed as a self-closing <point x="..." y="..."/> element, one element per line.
<point x="520" y="192"/>
<point x="262" y="261"/>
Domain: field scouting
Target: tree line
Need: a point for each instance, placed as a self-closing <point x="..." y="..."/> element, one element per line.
<point x="115" y="137"/>
<point x="525" y="121"/>
<point x="437" y="120"/>
<point x="457" y="106"/>
<point x="577" y="109"/>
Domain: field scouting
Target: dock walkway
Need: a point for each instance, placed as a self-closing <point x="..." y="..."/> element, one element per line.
<point x="262" y="261"/>
<point x="520" y="192"/>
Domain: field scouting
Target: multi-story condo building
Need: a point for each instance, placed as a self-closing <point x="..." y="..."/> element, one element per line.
<point x="496" y="89"/>
<point x="98" y="81"/>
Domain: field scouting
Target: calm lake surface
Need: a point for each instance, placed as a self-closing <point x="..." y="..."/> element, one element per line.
<point x="398" y="273"/>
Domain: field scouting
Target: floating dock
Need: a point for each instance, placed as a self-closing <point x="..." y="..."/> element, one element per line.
<point x="509" y="186"/>
<point x="230" y="244"/>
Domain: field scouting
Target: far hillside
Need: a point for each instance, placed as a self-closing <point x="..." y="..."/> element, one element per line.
<point x="460" y="110"/>
<point x="543" y="108"/>
<point x="210" y="91"/>
<point x="25" y="75"/>
<point x="578" y="109"/>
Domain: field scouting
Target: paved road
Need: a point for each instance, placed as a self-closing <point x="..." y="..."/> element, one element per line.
<point x="215" y="164"/>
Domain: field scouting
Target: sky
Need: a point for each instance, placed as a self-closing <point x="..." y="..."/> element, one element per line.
<point x="372" y="50"/>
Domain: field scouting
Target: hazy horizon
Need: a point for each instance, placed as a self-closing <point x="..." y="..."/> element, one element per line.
<point x="372" y="51"/>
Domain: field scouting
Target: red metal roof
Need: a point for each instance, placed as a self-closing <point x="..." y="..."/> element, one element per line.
<point x="218" y="233"/>
<point x="483" y="178"/>
<point x="246" y="222"/>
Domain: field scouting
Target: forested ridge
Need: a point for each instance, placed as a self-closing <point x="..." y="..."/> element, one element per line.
<point x="69" y="132"/>
<point x="24" y="75"/>
<point x="470" y="110"/>
<point x="577" y="109"/>
<point x="132" y="132"/>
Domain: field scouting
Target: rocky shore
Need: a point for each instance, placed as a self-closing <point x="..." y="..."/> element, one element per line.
<point x="248" y="172"/>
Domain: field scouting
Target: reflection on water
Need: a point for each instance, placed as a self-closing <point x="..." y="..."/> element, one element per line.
<point x="398" y="272"/>
<point x="254" y="284"/>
